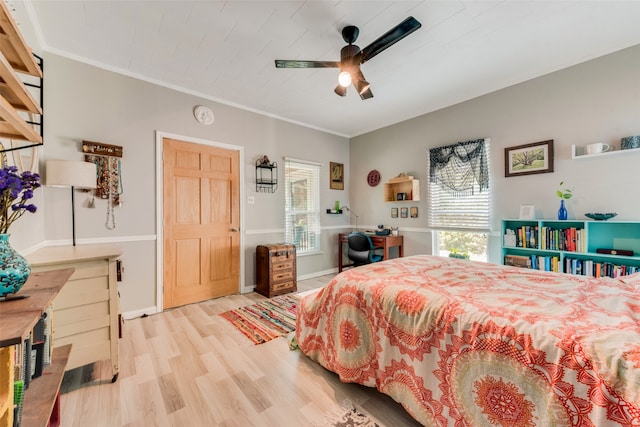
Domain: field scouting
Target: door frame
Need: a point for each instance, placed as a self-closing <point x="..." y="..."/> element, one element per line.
<point x="160" y="214"/>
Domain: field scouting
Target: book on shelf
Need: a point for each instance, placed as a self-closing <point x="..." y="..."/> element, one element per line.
<point x="48" y="348"/>
<point x="517" y="261"/>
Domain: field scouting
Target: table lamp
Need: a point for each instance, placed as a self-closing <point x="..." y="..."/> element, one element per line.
<point x="74" y="174"/>
<point x="348" y="209"/>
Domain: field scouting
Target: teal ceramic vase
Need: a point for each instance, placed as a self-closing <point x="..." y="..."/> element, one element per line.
<point x="14" y="269"/>
<point x="562" y="212"/>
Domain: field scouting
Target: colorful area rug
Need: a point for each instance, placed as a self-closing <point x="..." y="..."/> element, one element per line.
<point x="267" y="319"/>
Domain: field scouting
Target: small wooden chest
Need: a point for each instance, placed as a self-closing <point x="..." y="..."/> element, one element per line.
<point x="275" y="269"/>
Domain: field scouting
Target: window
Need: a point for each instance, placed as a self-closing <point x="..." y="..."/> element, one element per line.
<point x="302" y="205"/>
<point x="459" y="200"/>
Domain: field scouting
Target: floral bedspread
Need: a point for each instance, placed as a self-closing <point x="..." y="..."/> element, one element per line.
<point x="463" y="343"/>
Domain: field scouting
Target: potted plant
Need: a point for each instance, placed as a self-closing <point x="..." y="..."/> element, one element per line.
<point x="16" y="192"/>
<point x="563" y="194"/>
<point x="453" y="253"/>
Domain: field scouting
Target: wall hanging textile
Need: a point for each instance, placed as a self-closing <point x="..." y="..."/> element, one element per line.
<point x="457" y="167"/>
<point x="107" y="159"/>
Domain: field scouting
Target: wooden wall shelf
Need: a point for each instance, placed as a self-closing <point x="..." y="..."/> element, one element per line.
<point x="406" y="184"/>
<point x="16" y="57"/>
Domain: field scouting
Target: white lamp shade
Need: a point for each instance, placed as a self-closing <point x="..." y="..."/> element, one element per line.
<point x="70" y="173"/>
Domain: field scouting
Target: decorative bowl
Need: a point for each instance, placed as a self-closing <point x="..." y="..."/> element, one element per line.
<point x="600" y="216"/>
<point x="629" y="142"/>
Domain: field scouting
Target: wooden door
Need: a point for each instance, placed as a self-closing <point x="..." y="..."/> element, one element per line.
<point x="201" y="222"/>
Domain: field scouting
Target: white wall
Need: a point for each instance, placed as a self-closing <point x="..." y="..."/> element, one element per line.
<point x="83" y="102"/>
<point x="597" y="101"/>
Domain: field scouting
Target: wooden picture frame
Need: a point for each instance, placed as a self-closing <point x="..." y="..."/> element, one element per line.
<point x="394" y="212"/>
<point x="404" y="212"/>
<point x="413" y="212"/>
<point x="529" y="159"/>
<point x="336" y="176"/>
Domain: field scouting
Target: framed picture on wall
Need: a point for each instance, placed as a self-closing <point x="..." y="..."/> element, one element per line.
<point x="404" y="212"/>
<point x="336" y="176"/>
<point x="527" y="212"/>
<point x="394" y="212"/>
<point x="529" y="159"/>
<point x="413" y="212"/>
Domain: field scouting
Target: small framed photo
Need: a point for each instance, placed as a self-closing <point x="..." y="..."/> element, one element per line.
<point x="413" y="212"/>
<point x="404" y="212"/>
<point x="527" y="212"/>
<point x="336" y="176"/>
<point x="528" y="159"/>
<point x="394" y="212"/>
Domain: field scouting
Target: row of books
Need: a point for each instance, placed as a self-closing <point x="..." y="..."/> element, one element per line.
<point x="591" y="268"/>
<point x="570" y="239"/>
<point x="30" y="357"/>
<point x="584" y="267"/>
<point x="536" y="262"/>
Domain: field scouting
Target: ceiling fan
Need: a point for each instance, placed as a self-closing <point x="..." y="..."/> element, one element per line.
<point x="351" y="57"/>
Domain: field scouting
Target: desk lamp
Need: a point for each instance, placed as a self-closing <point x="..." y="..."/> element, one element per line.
<point x="348" y="209"/>
<point x="74" y="174"/>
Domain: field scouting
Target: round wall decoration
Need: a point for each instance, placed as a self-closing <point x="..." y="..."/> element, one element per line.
<point x="203" y="114"/>
<point x="373" y="178"/>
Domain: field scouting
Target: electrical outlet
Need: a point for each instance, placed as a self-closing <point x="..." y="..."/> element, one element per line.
<point x="251" y="200"/>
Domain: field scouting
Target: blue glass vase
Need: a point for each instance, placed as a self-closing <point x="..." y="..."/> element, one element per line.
<point x="14" y="269"/>
<point x="562" y="212"/>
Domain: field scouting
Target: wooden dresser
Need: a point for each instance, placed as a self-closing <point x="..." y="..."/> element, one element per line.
<point x="275" y="269"/>
<point x="87" y="309"/>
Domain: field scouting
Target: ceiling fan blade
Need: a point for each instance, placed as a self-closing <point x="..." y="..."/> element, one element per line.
<point x="283" y="63"/>
<point x="389" y="38"/>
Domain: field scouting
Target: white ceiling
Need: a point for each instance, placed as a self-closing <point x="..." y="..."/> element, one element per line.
<point x="225" y="50"/>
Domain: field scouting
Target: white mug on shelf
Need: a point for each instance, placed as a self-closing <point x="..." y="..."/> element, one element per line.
<point x="598" y="147"/>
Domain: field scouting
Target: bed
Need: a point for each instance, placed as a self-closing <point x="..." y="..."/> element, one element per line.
<point x="464" y="343"/>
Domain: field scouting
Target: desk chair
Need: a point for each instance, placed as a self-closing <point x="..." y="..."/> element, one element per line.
<point x="361" y="250"/>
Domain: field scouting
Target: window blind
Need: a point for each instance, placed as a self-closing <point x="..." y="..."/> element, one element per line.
<point x="452" y="211"/>
<point x="302" y="205"/>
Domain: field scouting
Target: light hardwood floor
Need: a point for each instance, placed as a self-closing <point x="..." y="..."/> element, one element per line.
<point x="190" y="367"/>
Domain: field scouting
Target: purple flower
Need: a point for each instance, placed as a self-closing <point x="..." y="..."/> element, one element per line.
<point x="15" y="189"/>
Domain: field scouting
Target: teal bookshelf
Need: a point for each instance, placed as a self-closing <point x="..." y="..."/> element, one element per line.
<point x="572" y="246"/>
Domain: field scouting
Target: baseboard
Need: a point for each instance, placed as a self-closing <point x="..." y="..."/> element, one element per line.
<point x="318" y="274"/>
<point x="139" y="313"/>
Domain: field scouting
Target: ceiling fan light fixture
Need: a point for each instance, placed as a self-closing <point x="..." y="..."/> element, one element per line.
<point x="362" y="86"/>
<point x="344" y="78"/>
<point x="360" y="83"/>
<point x="340" y="90"/>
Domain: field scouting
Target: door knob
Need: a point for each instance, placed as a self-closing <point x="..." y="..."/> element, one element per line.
<point x="234" y="229"/>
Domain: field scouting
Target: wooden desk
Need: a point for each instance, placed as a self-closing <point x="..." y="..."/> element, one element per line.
<point x="384" y="242"/>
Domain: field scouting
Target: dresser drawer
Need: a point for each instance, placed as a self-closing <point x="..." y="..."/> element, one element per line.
<point x="279" y="256"/>
<point x="282" y="275"/>
<point x="282" y="266"/>
<point x="284" y="286"/>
